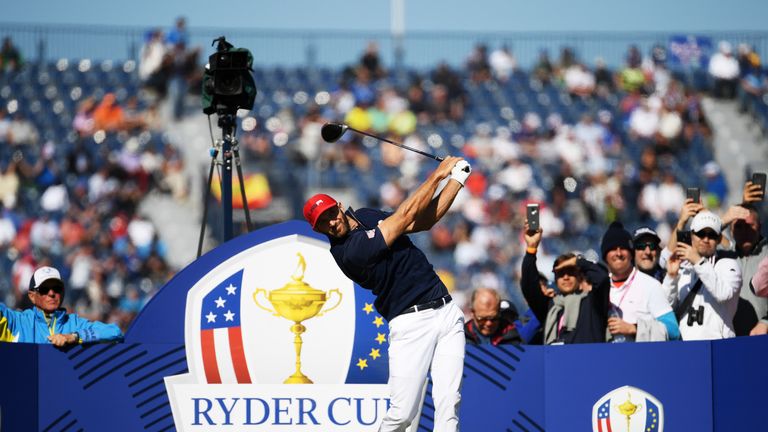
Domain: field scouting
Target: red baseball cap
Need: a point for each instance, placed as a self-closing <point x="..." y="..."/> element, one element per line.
<point x="317" y="205"/>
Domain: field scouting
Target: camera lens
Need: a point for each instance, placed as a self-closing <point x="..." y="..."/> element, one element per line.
<point x="228" y="83"/>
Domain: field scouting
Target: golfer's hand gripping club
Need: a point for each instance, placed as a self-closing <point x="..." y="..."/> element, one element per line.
<point x="461" y="171"/>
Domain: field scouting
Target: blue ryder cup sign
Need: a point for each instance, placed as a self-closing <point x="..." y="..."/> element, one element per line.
<point x="264" y="333"/>
<point x="277" y="338"/>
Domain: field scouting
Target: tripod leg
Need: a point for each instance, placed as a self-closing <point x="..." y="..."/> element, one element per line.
<point x="248" y="224"/>
<point x="214" y="154"/>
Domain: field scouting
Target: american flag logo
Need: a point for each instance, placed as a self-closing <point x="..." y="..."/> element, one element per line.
<point x="221" y="337"/>
<point x="604" y="417"/>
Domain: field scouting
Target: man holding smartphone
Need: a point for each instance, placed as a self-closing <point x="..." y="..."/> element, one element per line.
<point x="701" y="284"/>
<point x="750" y="248"/>
<point x="578" y="312"/>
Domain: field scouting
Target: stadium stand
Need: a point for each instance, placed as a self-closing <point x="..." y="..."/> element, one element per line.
<point x="589" y="151"/>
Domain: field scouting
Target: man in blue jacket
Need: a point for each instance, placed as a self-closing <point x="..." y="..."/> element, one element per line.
<point x="47" y="321"/>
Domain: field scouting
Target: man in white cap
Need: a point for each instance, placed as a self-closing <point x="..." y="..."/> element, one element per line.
<point x="701" y="284"/>
<point x="47" y="322"/>
<point x="647" y="245"/>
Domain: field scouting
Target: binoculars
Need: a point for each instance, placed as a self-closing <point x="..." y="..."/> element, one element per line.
<point x="696" y="315"/>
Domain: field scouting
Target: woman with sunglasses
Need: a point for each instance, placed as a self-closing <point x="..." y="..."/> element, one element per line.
<point x="47" y="322"/>
<point x="578" y="312"/>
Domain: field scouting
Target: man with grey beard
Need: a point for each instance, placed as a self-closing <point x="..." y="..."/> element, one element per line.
<point x="647" y="249"/>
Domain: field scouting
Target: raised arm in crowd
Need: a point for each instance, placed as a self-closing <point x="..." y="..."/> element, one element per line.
<point x="578" y="311"/>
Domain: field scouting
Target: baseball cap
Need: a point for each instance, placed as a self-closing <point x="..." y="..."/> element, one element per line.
<point x="44" y="274"/>
<point x="317" y="205"/>
<point x="645" y="231"/>
<point x="706" y="219"/>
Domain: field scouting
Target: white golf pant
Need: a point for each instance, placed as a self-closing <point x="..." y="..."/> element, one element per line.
<point x="428" y="340"/>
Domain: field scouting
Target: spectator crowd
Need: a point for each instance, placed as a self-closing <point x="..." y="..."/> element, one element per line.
<point x="73" y="203"/>
<point x="590" y="145"/>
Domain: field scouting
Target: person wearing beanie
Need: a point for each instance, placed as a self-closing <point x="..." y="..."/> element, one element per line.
<point x="639" y="310"/>
<point x="47" y="322"/>
<point x="615" y="237"/>
<point x="703" y="284"/>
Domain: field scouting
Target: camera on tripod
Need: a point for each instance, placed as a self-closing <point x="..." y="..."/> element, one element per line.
<point x="228" y="83"/>
<point x="696" y="316"/>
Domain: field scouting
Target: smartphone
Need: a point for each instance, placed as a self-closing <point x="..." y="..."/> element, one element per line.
<point x="694" y="194"/>
<point x="684" y="237"/>
<point x="758" y="178"/>
<point x="532" y="215"/>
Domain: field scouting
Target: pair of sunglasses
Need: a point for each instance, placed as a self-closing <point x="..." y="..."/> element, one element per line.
<point x="642" y="246"/>
<point x="572" y="271"/>
<point x="44" y="290"/>
<point x="707" y="234"/>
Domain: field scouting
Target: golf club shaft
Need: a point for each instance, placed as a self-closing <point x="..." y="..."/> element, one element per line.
<point x="423" y="153"/>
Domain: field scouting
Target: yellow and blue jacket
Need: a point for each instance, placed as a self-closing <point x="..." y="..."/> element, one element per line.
<point x="33" y="326"/>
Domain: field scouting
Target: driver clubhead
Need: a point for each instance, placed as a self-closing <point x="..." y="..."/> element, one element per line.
<point x="331" y="132"/>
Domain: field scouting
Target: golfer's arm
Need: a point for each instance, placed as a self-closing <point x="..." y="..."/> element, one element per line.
<point x="407" y="213"/>
<point x="436" y="209"/>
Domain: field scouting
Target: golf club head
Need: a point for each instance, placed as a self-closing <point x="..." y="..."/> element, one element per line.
<point x="331" y="132"/>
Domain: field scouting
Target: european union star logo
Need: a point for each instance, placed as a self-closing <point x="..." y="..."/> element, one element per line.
<point x="652" y="416"/>
<point x="369" y="354"/>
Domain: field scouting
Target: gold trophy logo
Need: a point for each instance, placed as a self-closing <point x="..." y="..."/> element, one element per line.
<point x="297" y="302"/>
<point x="628" y="409"/>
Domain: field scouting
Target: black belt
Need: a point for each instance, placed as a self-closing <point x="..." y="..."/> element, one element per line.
<point x="434" y="304"/>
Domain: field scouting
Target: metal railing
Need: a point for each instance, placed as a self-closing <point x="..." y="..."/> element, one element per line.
<point x="338" y="48"/>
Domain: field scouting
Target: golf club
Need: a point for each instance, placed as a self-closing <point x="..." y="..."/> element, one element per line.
<point x="331" y="133"/>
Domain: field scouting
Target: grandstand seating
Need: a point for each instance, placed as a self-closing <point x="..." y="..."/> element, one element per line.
<point x="48" y="94"/>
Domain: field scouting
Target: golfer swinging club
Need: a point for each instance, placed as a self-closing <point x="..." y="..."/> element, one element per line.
<point x="426" y="330"/>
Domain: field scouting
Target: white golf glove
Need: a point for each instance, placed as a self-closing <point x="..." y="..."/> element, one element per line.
<point x="461" y="171"/>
